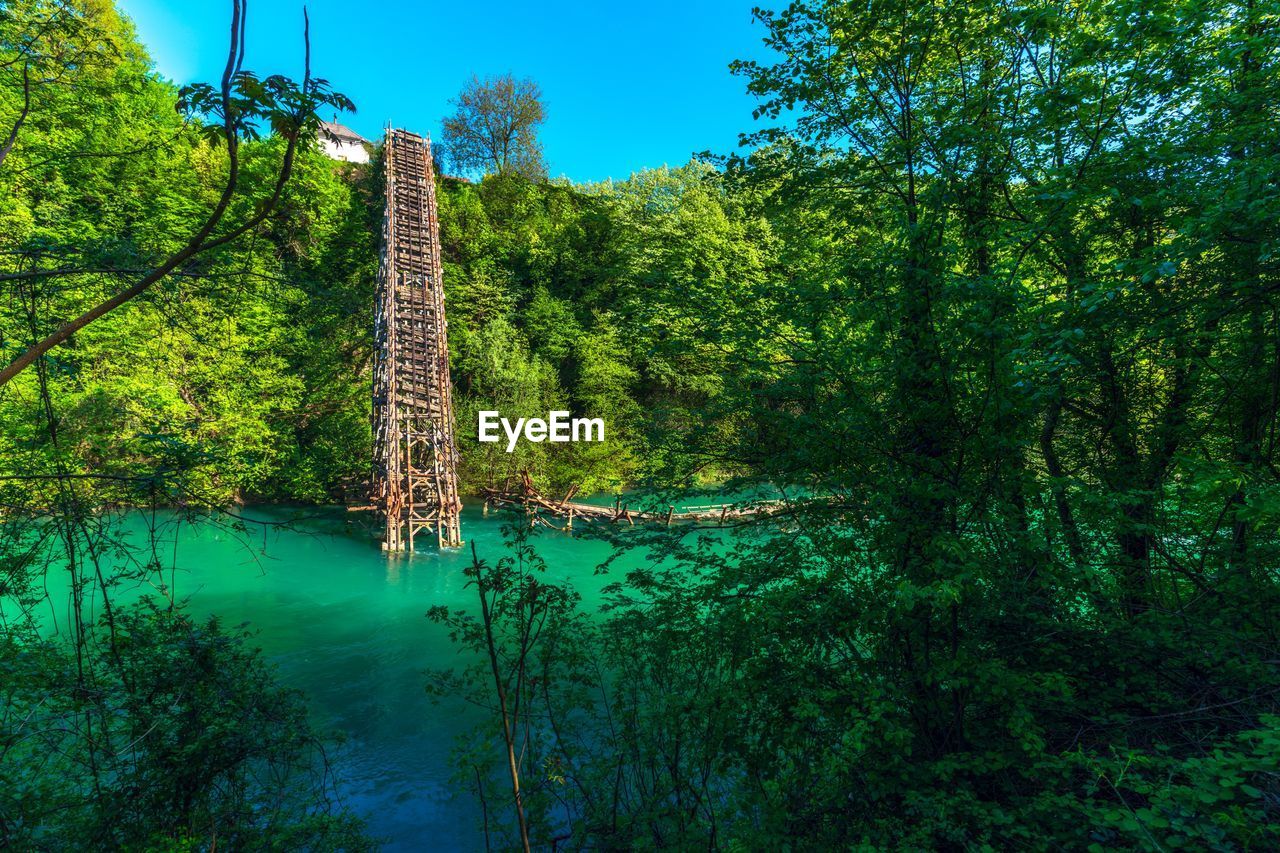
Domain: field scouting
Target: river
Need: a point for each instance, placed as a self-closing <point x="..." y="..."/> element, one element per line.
<point x="346" y="624"/>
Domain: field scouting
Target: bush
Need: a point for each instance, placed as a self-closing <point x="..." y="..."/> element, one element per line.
<point x="160" y="732"/>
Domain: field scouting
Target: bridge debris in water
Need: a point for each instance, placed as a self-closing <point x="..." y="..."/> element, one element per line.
<point x="415" y="470"/>
<point x="525" y="495"/>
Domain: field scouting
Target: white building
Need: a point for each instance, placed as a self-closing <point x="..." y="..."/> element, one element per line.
<point x="343" y="143"/>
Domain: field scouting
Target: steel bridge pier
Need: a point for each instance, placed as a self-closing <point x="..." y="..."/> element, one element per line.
<point x="415" y="466"/>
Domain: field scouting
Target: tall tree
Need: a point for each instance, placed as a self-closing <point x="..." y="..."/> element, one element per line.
<point x="495" y="128"/>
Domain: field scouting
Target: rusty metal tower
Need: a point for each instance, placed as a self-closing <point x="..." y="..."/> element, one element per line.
<point x="415" y="466"/>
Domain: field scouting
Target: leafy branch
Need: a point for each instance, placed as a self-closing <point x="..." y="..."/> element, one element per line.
<point x="233" y="112"/>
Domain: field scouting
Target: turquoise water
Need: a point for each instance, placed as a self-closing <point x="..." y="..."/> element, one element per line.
<point x="346" y="624"/>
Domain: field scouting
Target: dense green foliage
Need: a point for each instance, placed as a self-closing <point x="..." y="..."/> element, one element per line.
<point x="253" y="362"/>
<point x="994" y="302"/>
<point x="1019" y="342"/>
<point x="245" y="358"/>
<point x="576" y="297"/>
<point x="200" y="747"/>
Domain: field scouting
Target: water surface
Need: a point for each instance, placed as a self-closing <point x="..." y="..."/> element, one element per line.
<point x="345" y="623"/>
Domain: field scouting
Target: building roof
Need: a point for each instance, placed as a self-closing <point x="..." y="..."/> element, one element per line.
<point x="341" y="133"/>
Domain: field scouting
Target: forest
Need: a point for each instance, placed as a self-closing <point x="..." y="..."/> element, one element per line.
<point x="990" y="296"/>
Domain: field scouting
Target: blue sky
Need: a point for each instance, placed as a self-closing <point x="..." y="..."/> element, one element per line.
<point x="627" y="86"/>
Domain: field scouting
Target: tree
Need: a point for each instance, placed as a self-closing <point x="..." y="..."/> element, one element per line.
<point x="237" y="106"/>
<point x="495" y="129"/>
<point x="1018" y="356"/>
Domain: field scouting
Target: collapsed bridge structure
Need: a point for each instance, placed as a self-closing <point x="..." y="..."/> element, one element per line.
<point x="522" y="493"/>
<point x="415" y="465"/>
